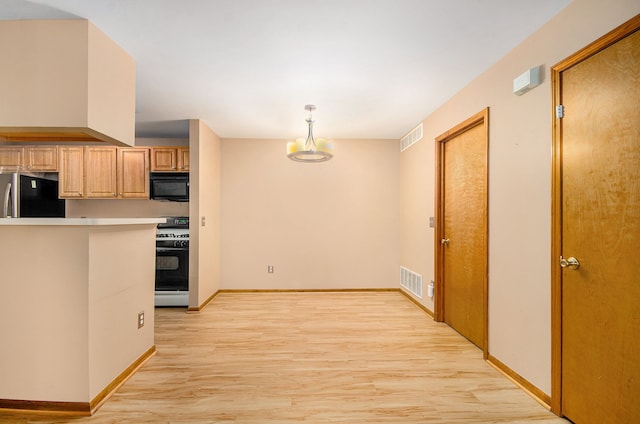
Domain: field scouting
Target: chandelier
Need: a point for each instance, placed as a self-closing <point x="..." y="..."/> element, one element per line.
<point x="309" y="150"/>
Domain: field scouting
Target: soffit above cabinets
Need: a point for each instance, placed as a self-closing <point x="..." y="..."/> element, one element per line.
<point x="64" y="81"/>
<point x="58" y="135"/>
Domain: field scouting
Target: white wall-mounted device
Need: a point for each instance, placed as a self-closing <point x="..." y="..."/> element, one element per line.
<point x="430" y="289"/>
<point x="528" y="80"/>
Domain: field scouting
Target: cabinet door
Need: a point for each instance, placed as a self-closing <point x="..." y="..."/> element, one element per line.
<point x="164" y="159"/>
<point x="42" y="159"/>
<point x="11" y="156"/>
<point x="71" y="176"/>
<point x="100" y="172"/>
<point x="133" y="173"/>
<point x="183" y="158"/>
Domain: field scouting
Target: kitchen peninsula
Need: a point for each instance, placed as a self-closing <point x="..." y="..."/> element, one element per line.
<point x="73" y="290"/>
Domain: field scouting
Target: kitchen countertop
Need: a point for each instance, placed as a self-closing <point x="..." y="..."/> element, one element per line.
<point x="80" y="221"/>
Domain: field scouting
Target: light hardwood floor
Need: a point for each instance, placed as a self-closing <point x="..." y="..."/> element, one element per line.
<point x="312" y="357"/>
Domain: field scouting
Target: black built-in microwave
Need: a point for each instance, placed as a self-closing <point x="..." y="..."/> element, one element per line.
<point x="170" y="186"/>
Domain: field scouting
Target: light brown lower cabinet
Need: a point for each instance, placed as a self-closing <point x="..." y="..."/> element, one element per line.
<point x="104" y="172"/>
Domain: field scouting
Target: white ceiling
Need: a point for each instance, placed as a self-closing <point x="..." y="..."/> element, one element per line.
<point x="374" y="68"/>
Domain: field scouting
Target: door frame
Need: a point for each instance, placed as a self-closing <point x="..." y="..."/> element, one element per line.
<point x="556" y="198"/>
<point x="479" y="118"/>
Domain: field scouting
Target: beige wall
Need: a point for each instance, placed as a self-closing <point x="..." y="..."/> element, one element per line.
<point x="121" y="284"/>
<point x="204" y="238"/>
<point x="111" y="89"/>
<point x="69" y="308"/>
<point x="49" y="59"/>
<point x="519" y="185"/>
<point x="151" y="141"/>
<point x="40" y="315"/>
<point x="124" y="208"/>
<point x="66" y="75"/>
<point x="321" y="225"/>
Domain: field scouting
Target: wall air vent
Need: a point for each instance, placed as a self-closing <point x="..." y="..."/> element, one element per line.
<point x="412" y="138"/>
<point x="411" y="281"/>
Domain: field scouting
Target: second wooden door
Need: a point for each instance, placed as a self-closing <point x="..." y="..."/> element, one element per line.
<point x="463" y="228"/>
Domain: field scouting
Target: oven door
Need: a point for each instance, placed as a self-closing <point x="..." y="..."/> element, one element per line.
<point x="172" y="268"/>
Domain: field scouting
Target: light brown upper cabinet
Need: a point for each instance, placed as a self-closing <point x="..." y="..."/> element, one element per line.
<point x="71" y="175"/>
<point x="183" y="158"/>
<point x="133" y="173"/>
<point x="100" y="180"/>
<point x="104" y="172"/>
<point x="170" y="159"/>
<point x="11" y="156"/>
<point x="41" y="158"/>
<point x="30" y="158"/>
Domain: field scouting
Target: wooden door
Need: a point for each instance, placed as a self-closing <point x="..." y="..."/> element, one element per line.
<point x="164" y="159"/>
<point x="11" y="157"/>
<point x="71" y="176"/>
<point x="42" y="159"/>
<point x="183" y="159"/>
<point x="597" y="207"/>
<point x="100" y="172"/>
<point x="133" y="173"/>
<point x="461" y="256"/>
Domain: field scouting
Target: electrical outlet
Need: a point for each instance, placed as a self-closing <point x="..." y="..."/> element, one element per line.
<point x="140" y="319"/>
<point x="270" y="269"/>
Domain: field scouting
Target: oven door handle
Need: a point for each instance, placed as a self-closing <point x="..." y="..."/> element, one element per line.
<point x="171" y="249"/>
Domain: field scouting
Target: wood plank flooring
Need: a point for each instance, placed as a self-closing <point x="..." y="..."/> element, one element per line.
<point x="312" y="357"/>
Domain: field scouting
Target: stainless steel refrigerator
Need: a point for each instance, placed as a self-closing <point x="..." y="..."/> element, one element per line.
<point x="30" y="196"/>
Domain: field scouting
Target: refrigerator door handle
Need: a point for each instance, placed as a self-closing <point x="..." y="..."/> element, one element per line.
<point x="5" y="204"/>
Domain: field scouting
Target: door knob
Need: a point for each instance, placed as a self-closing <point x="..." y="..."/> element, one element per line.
<point x="445" y="241"/>
<point x="571" y="263"/>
